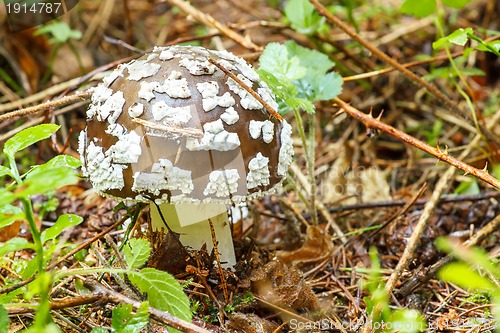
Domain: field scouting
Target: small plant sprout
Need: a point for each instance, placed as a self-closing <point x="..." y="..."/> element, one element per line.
<point x="174" y="128"/>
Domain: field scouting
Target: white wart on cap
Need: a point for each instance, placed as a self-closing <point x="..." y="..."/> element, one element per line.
<point x="172" y="127"/>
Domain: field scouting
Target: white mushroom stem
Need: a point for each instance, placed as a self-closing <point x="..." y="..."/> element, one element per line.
<point x="191" y="222"/>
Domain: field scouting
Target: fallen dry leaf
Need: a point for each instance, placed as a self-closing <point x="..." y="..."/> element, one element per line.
<point x="317" y="247"/>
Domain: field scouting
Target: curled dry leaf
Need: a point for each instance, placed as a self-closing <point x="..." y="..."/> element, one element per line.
<point x="317" y="247"/>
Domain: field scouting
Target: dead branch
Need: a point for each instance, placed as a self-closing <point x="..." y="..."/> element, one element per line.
<point x="375" y="123"/>
<point x="208" y="20"/>
<point x="46" y="106"/>
<point x="161" y="316"/>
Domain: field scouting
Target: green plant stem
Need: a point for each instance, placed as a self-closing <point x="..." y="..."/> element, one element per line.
<point x="465" y="96"/>
<point x="309" y="153"/>
<point x="35" y="233"/>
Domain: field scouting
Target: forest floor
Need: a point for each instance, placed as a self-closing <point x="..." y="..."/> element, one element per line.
<point x="380" y="202"/>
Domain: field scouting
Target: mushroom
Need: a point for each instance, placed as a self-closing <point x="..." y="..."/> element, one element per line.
<point x="193" y="130"/>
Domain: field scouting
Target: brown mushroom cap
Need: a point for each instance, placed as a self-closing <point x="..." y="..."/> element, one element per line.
<point x="172" y="127"/>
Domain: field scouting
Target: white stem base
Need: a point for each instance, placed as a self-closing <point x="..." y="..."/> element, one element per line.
<point x="191" y="222"/>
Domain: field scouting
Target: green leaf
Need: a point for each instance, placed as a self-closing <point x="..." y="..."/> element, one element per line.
<point x="303" y="16"/>
<point x="164" y="292"/>
<point x="316" y="85"/>
<point x="4" y="171"/>
<point x="283" y="89"/>
<point x="496" y="170"/>
<point x="475" y="256"/>
<point x="124" y="321"/>
<point x="407" y="321"/>
<point x="468" y="187"/>
<point x="419" y="8"/>
<point x="300" y="103"/>
<point x="455" y="3"/>
<point x="27" y="137"/>
<point x="314" y="61"/>
<point x="49" y="180"/>
<point x="6" y="196"/>
<point x="60" y="30"/>
<point x="60" y="161"/>
<point x="457" y="37"/>
<point x="327" y="87"/>
<point x="493" y="47"/>
<point x="99" y="330"/>
<point x="137" y="252"/>
<point x="4" y="320"/>
<point x="15" y="244"/>
<point x="9" y="214"/>
<point x="63" y="222"/>
<point x="274" y="59"/>
<point x="461" y="274"/>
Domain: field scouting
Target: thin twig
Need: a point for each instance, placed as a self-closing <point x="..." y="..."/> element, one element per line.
<point x="408" y="64"/>
<point x="47" y="93"/>
<point x="57" y="304"/>
<point x="220" y="271"/>
<point x="45" y="106"/>
<point x="156" y="314"/>
<point x="208" y="20"/>
<point x="375" y="123"/>
<point x="266" y="105"/>
<point x="191" y="132"/>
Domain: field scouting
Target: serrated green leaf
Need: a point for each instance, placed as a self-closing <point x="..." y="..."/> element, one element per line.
<point x="461" y="274"/>
<point x="49" y="180"/>
<point x="274" y="59"/>
<point x="164" y="292"/>
<point x="419" y="8"/>
<point x="15" y="244"/>
<point x="327" y="86"/>
<point x="314" y="61"/>
<point x="124" y="321"/>
<point x="63" y="222"/>
<point x="4" y="320"/>
<point x="283" y="89"/>
<point x="455" y="3"/>
<point x="27" y="137"/>
<point x="303" y="16"/>
<point x="60" y="161"/>
<point x="136" y="252"/>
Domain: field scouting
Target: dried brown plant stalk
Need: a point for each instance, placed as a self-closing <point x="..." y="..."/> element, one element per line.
<point x="268" y="107"/>
<point x="45" y="106"/>
<point x="375" y="123"/>
<point x="161" y="316"/>
<point x="209" y="21"/>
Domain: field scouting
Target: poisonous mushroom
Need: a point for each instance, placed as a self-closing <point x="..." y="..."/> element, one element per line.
<point x="192" y="129"/>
